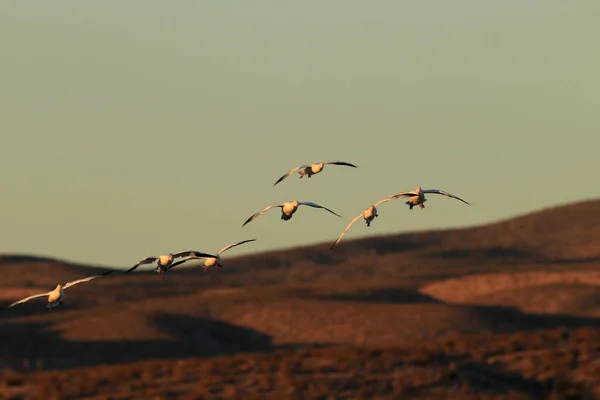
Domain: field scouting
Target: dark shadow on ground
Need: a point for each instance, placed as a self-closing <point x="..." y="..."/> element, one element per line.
<point x="496" y="253"/>
<point x="497" y="319"/>
<point x="380" y="295"/>
<point x="192" y="337"/>
<point x="510" y="320"/>
<point x="581" y="260"/>
<point x="484" y="380"/>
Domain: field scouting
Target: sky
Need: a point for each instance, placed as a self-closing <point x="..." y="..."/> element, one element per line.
<point x="138" y="128"/>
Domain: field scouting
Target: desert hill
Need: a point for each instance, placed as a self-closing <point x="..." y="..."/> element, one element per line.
<point x="535" y="274"/>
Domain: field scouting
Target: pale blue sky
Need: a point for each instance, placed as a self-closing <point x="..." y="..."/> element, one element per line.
<point x="135" y="128"/>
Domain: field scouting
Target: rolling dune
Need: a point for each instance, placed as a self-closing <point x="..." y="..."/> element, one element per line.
<point x="511" y="295"/>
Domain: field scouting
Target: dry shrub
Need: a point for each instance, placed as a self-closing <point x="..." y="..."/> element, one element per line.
<point x="11" y="378"/>
<point x="179" y="373"/>
<point x="284" y="375"/>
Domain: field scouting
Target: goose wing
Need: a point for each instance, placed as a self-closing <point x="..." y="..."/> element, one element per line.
<point x="199" y="254"/>
<point x="235" y="244"/>
<point x="89" y="278"/>
<point x="403" y="194"/>
<point x="147" y="260"/>
<point x="437" y="191"/>
<point x="289" y="173"/>
<point x="183" y="253"/>
<point x="385" y="200"/>
<point x="340" y="163"/>
<point x="262" y="211"/>
<point x="346" y="230"/>
<point x="26" y="299"/>
<point x="192" y="257"/>
<point x="315" y="205"/>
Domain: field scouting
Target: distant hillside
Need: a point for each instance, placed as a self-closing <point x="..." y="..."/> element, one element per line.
<point x="562" y="234"/>
<point x="18" y="269"/>
<point x="533" y="272"/>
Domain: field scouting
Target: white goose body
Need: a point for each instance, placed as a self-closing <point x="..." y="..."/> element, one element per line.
<point x="55" y="297"/>
<point x="211" y="262"/>
<point x="290" y="207"/>
<point x="370" y="214"/>
<point x="417" y="200"/>
<point x="314" y="169"/>
<point x="165" y="260"/>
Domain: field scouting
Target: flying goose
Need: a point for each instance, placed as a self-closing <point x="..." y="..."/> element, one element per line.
<point x="210" y="261"/>
<point x="167" y="259"/>
<point x="288" y="209"/>
<point x="369" y="215"/>
<point x="312" y="169"/>
<point x="417" y="196"/>
<point x="56" y="296"/>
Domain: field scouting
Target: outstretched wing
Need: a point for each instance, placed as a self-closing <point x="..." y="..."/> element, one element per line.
<point x="89" y="278"/>
<point x="289" y="173"/>
<point x="147" y="260"/>
<point x="385" y="200"/>
<point x="315" y="205"/>
<point x="403" y="194"/>
<point x="183" y="253"/>
<point x="346" y="230"/>
<point x="437" y="191"/>
<point x="262" y="211"/>
<point x="340" y="163"/>
<point x="26" y="299"/>
<point x="233" y="245"/>
<point x="182" y="261"/>
<point x="199" y="254"/>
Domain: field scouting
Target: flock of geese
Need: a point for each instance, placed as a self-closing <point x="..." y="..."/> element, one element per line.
<point x="166" y="262"/>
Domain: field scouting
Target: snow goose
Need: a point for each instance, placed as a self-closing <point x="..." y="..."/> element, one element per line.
<point x="56" y="296"/>
<point x="312" y="169"/>
<point x="288" y="209"/>
<point x="417" y="196"/>
<point x="369" y="215"/>
<point x="167" y="259"/>
<point x="209" y="261"/>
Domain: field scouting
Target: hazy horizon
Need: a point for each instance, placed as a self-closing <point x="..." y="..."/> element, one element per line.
<point x="139" y="128"/>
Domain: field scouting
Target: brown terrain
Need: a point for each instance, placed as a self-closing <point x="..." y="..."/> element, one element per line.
<point x="509" y="310"/>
